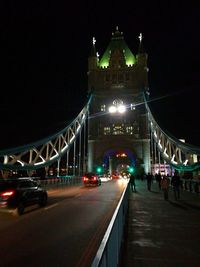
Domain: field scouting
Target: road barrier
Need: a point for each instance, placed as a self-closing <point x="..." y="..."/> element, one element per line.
<point x="108" y="253"/>
<point x="191" y="185"/>
<point x="52" y="182"/>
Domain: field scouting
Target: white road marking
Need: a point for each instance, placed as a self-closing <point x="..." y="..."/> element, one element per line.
<point x="51" y="206"/>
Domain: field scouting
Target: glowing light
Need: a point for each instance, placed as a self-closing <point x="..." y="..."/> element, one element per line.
<point x="104" y="63"/>
<point x="38" y="163"/>
<point x="121" y="109"/>
<point x="72" y="138"/>
<point x="140" y="37"/>
<point x="99" y="169"/>
<point x="20" y="162"/>
<point x="186" y="161"/>
<point x="63" y="149"/>
<point x="172" y="160"/>
<point x="195" y="159"/>
<point x="160" y="144"/>
<point x="112" y="109"/>
<point x="93" y="40"/>
<point x="54" y="156"/>
<point x="165" y="153"/>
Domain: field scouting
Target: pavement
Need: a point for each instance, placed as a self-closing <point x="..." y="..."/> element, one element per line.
<point x="162" y="233"/>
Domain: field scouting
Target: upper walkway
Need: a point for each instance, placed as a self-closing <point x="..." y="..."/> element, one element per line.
<point x="162" y="233"/>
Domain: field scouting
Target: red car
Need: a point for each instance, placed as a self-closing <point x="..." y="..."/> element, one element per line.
<point x="91" y="179"/>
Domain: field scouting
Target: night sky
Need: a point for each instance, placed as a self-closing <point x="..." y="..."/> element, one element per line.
<point x="44" y="53"/>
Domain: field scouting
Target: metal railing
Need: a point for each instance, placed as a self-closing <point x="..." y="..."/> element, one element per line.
<point x="53" y="182"/>
<point x="108" y="253"/>
<point x="191" y="185"/>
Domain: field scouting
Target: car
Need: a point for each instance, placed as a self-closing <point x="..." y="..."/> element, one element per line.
<point x="91" y="178"/>
<point x="17" y="194"/>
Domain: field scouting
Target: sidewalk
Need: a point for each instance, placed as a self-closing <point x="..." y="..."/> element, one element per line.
<point x="162" y="233"/>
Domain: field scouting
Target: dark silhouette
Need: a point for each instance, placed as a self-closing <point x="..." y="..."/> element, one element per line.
<point x="132" y="183"/>
<point x="176" y="184"/>
<point x="165" y="182"/>
<point x="158" y="179"/>
<point x="149" y="180"/>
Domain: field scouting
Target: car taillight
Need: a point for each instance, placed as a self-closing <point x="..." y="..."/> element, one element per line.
<point x="85" y="178"/>
<point x="7" y="194"/>
<point x="94" y="178"/>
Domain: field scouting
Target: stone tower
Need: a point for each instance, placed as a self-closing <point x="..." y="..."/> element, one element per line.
<point x="118" y="122"/>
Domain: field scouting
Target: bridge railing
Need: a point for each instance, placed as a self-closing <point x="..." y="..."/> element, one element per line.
<point x="108" y="253"/>
<point x="191" y="185"/>
<point x="52" y="182"/>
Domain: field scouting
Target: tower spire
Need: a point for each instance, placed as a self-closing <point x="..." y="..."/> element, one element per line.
<point x="93" y="50"/>
<point x="141" y="47"/>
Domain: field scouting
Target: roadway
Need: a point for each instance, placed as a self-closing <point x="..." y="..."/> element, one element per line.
<point x="67" y="232"/>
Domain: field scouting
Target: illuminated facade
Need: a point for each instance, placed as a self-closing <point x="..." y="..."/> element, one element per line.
<point x="118" y="118"/>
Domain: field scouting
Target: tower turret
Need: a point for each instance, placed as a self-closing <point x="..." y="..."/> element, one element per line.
<point x="93" y="59"/>
<point x="117" y="81"/>
<point x="142" y="62"/>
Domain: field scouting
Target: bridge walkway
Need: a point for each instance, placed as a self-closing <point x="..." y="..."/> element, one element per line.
<point x="162" y="233"/>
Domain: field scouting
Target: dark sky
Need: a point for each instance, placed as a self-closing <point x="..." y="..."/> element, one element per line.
<point x="44" y="52"/>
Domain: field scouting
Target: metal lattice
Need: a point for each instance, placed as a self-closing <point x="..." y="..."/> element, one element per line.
<point x="44" y="152"/>
<point x="180" y="155"/>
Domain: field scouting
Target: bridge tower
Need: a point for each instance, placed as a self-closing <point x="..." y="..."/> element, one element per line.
<point x="118" y="122"/>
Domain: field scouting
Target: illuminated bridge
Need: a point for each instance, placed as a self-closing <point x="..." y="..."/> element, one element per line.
<point x="115" y="130"/>
<point x="114" y="133"/>
<point x="72" y="143"/>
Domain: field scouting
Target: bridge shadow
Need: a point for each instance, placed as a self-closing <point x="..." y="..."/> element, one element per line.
<point x="191" y="205"/>
<point x="155" y="192"/>
<point x="178" y="204"/>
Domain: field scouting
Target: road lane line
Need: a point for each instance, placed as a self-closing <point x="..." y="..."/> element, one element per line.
<point x="95" y="240"/>
<point x="51" y="206"/>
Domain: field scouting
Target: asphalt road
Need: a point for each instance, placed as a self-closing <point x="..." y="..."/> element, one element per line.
<point x="67" y="232"/>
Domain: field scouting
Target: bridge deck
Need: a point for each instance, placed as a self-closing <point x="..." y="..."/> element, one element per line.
<point x="162" y="233"/>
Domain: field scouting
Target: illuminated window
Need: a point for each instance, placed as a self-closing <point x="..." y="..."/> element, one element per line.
<point x="118" y="130"/>
<point x="129" y="130"/>
<point x="103" y="107"/>
<point x="132" y="106"/>
<point x="107" y="131"/>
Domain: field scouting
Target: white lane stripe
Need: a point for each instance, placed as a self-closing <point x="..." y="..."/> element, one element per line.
<point x="51" y="206"/>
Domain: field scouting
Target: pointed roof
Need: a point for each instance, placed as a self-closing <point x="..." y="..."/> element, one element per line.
<point x="117" y="42"/>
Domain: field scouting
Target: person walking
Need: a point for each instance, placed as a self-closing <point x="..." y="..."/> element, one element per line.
<point x="165" y="182"/>
<point x="132" y="183"/>
<point x="158" y="179"/>
<point x="149" y="180"/>
<point x="176" y="184"/>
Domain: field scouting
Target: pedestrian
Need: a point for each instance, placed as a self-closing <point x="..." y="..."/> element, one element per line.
<point x="132" y="183"/>
<point x="149" y="180"/>
<point x="158" y="180"/>
<point x="165" y="182"/>
<point x="176" y="184"/>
